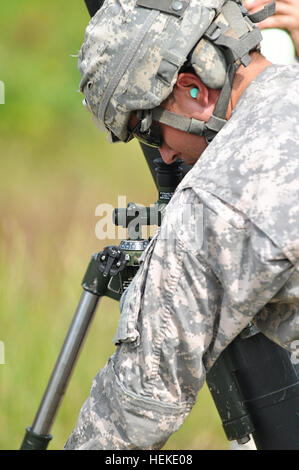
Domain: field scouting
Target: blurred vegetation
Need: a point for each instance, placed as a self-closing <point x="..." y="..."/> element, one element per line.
<point x="55" y="170"/>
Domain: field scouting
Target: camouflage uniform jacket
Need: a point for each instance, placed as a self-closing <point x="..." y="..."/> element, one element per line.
<point x="227" y="253"/>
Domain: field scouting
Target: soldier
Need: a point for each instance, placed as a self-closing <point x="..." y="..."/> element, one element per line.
<point x="187" y="77"/>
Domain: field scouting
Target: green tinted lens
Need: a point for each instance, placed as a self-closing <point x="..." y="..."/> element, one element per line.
<point x="152" y="137"/>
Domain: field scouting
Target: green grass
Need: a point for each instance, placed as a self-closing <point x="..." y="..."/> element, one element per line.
<point x="55" y="170"/>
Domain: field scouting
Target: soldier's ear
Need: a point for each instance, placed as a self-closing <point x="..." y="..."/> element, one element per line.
<point x="194" y="88"/>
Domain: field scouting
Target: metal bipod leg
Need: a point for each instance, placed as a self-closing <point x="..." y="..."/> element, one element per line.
<point x="37" y="436"/>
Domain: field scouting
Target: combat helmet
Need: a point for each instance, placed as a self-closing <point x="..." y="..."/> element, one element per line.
<point x="133" y="51"/>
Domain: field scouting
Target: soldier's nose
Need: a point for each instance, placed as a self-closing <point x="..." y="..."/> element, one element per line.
<point x="168" y="155"/>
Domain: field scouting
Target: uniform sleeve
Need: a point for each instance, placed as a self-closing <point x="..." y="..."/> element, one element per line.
<point x="204" y="277"/>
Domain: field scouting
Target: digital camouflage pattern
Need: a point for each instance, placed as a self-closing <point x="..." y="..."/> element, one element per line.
<point x="123" y="50"/>
<point x="131" y="55"/>
<point x="205" y="276"/>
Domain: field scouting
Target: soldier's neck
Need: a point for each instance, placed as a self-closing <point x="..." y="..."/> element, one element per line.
<point x="244" y="77"/>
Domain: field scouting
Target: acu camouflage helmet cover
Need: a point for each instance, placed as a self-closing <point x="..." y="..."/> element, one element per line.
<point x="133" y="51"/>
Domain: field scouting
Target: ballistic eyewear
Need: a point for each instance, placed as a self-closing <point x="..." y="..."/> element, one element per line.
<point x="152" y="136"/>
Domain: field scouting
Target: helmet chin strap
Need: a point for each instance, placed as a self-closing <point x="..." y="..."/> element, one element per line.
<point x="207" y="129"/>
<point x="218" y="118"/>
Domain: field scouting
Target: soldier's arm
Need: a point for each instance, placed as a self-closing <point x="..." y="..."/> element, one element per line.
<point x="205" y="276"/>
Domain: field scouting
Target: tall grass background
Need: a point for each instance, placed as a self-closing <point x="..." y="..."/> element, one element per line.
<point x="56" y="168"/>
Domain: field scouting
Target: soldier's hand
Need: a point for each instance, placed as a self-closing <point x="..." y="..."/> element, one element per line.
<point x="286" y="17"/>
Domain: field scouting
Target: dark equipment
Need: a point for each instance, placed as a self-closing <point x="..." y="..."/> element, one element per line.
<point x="254" y="384"/>
<point x="93" y="6"/>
